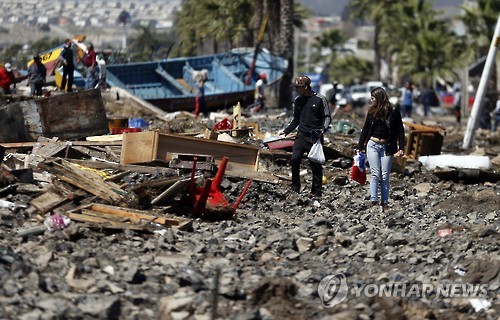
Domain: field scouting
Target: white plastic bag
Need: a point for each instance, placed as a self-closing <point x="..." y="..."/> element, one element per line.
<point x="316" y="153"/>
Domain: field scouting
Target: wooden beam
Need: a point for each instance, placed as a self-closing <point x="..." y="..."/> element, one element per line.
<point x="85" y="180"/>
<point x="17" y="145"/>
<point x="121" y="167"/>
<point x="139" y="215"/>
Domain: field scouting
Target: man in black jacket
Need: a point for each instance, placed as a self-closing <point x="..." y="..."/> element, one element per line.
<point x="312" y="116"/>
<point x="66" y="58"/>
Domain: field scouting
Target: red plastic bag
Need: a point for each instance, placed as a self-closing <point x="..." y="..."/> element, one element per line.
<point x="358" y="175"/>
<point x="358" y="170"/>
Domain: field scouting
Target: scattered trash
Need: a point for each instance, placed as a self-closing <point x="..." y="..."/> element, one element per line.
<point x="444" y="232"/>
<point x="36" y="148"/>
<point x="137" y="123"/>
<point x="480" y="304"/>
<point x="56" y="222"/>
<point x="224" y="124"/>
<point x="460" y="270"/>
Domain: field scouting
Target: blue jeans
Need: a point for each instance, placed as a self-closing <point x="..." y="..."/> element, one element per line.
<point x="92" y="78"/>
<point x="380" y="169"/>
<point x="496" y="121"/>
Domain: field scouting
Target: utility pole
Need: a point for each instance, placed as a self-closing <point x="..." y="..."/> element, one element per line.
<point x="476" y="107"/>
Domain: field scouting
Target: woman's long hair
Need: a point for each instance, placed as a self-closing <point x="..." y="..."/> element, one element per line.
<point x="381" y="107"/>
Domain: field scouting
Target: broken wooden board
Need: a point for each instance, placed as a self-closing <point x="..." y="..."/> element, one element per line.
<point x="122" y="167"/>
<point x="17" y="145"/>
<point x="67" y="116"/>
<point x="149" y="146"/>
<point x="46" y="201"/>
<point x="140" y="216"/>
<point x="173" y="190"/>
<point x="103" y="223"/>
<point x="85" y="180"/>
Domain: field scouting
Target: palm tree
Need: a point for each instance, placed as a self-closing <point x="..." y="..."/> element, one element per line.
<point x="378" y="13"/>
<point x="332" y="39"/>
<point x="286" y="49"/>
<point x="350" y="69"/>
<point x="480" y="20"/>
<point x="221" y="23"/>
<point x="422" y="44"/>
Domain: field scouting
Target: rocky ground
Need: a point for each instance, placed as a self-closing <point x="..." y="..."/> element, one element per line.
<point x="268" y="262"/>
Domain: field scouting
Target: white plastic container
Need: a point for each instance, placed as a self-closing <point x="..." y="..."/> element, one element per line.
<point x="455" y="161"/>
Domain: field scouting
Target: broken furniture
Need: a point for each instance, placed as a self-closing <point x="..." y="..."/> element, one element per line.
<point x="208" y="201"/>
<point x="422" y="140"/>
<point x="70" y="116"/>
<point x="154" y="147"/>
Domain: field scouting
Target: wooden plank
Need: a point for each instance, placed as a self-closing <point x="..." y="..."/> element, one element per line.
<point x="17" y="145"/>
<point x="46" y="201"/>
<point x="85" y="180"/>
<point x="172" y="190"/>
<point x="121" y="167"/>
<point x="137" y="215"/>
<point x="101" y="222"/>
<point x="143" y="147"/>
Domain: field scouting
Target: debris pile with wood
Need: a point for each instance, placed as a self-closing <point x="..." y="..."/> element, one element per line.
<point x="192" y="218"/>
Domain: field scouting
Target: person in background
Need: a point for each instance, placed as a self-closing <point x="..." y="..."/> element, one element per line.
<point x="496" y="116"/>
<point x="67" y="60"/>
<point x="485" y="117"/>
<point x="101" y="62"/>
<point x="260" y="86"/>
<point x="311" y="114"/>
<point x="427" y="100"/>
<point x="37" y="76"/>
<point x="333" y="95"/>
<point x="91" y="64"/>
<point x="407" y="103"/>
<point x="200" y="102"/>
<point x="8" y="78"/>
<point x="382" y="136"/>
<point x="457" y="104"/>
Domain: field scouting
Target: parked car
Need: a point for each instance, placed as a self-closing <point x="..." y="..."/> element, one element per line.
<point x="326" y="90"/>
<point x="359" y="95"/>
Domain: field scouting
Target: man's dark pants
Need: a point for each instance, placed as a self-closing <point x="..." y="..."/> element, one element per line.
<point x="303" y="143"/>
<point x="67" y="76"/>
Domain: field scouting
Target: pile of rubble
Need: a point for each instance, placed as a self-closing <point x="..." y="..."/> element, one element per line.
<point x="117" y="227"/>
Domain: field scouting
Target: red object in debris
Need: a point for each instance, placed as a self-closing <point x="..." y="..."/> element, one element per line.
<point x="281" y="144"/>
<point x="124" y="130"/>
<point x="224" y="124"/>
<point x="444" y="232"/>
<point x="208" y="201"/>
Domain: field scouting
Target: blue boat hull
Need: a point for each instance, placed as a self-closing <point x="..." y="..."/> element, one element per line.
<point x="169" y="84"/>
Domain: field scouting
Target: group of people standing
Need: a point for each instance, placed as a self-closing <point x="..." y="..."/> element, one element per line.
<point x="381" y="138"/>
<point x="37" y="71"/>
<point x="95" y="67"/>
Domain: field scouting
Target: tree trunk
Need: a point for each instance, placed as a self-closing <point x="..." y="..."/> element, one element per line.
<point x="273" y="8"/>
<point x="259" y="16"/>
<point x="286" y="49"/>
<point x="376" y="48"/>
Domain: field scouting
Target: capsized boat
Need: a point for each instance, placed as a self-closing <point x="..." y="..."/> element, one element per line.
<point x="170" y="84"/>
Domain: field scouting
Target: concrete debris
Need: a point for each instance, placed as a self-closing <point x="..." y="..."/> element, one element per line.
<point x="133" y="250"/>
